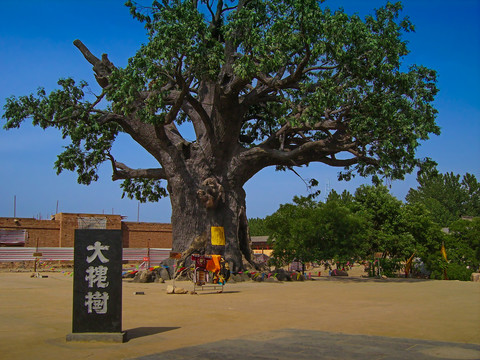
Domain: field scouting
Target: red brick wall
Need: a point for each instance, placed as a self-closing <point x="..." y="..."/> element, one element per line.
<point x="142" y="235"/>
<point x="60" y="232"/>
<point x="44" y="231"/>
<point x="69" y="222"/>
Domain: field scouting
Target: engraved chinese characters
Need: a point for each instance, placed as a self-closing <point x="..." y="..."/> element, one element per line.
<point x="97" y="277"/>
<point x="97" y="248"/>
<point x="97" y="301"/>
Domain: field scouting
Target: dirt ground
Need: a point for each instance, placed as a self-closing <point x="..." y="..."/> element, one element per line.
<point x="36" y="313"/>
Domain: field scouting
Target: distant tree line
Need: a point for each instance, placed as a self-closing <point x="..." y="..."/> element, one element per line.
<point x="355" y="226"/>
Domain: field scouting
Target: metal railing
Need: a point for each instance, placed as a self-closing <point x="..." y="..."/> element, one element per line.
<point x="17" y="254"/>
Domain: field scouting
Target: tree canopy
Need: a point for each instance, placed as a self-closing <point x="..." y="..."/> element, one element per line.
<point x="262" y="83"/>
<point x="305" y="78"/>
<point x="447" y="196"/>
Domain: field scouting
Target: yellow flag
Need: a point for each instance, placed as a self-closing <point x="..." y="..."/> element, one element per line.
<point x="408" y="264"/>
<point x="444" y="252"/>
<point x="218" y="235"/>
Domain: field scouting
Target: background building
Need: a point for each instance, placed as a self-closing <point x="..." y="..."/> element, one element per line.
<point x="60" y="231"/>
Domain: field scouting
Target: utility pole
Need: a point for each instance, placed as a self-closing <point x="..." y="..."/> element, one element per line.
<point x="327" y="189"/>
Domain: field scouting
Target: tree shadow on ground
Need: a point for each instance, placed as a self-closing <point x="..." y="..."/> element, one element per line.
<point x="147" y="331"/>
<point x="369" y="279"/>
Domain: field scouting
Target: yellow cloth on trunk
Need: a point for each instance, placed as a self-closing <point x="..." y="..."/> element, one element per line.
<point x="218" y="235"/>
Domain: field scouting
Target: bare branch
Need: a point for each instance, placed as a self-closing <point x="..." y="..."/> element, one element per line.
<point x="109" y="117"/>
<point x="92" y="59"/>
<point x="209" y="7"/>
<point x="252" y="160"/>
<point x="347" y="162"/>
<point x="199" y="117"/>
<point x="122" y="171"/>
<point x="103" y="68"/>
<point x="218" y="15"/>
<point x="228" y="8"/>
<point x="320" y="67"/>
<point x="177" y="105"/>
<point x="99" y="98"/>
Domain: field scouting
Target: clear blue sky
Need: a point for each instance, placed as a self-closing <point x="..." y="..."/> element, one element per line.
<point x="36" y="50"/>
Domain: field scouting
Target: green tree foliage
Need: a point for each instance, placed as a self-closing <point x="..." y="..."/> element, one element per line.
<point x="396" y="229"/>
<point x="342" y="232"/>
<point x="345" y="198"/>
<point x="349" y="227"/>
<point x="421" y="233"/>
<point x="311" y="231"/>
<point x="293" y="229"/>
<point x="257" y="227"/>
<point x="382" y="210"/>
<point x="463" y="243"/>
<point x="447" y="196"/>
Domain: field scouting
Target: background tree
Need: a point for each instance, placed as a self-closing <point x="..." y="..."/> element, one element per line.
<point x="343" y="231"/>
<point x="382" y="210"/>
<point x="293" y="232"/>
<point x="422" y="235"/>
<point x="262" y="83"/>
<point x="446" y="196"/>
<point x="397" y="230"/>
<point x="257" y="227"/>
<point x="463" y="248"/>
<point x="472" y="188"/>
<point x="310" y="231"/>
<point x="348" y="227"/>
<point x="345" y="198"/>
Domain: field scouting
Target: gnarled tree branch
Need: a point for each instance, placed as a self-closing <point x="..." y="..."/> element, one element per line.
<point x="122" y="171"/>
<point x="249" y="162"/>
<point x="102" y="68"/>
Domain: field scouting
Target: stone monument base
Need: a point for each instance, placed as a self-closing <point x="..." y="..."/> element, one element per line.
<point x="99" y="337"/>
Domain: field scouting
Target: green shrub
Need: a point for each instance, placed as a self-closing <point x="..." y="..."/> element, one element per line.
<point x="454" y="272"/>
<point x="458" y="272"/>
<point x="390" y="267"/>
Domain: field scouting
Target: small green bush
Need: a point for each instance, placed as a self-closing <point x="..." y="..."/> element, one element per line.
<point x="390" y="267"/>
<point x="454" y="272"/>
<point x="458" y="272"/>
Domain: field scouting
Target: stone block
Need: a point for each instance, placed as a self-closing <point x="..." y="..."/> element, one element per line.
<point x="245" y="277"/>
<point x="180" y="291"/>
<point x="164" y="274"/>
<point x="97" y="337"/>
<point x="238" y="278"/>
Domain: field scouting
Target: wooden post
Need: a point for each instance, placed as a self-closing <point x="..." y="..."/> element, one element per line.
<point x="176" y="256"/>
<point x="148" y="254"/>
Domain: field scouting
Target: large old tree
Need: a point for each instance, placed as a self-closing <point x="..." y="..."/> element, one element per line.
<point x="263" y="83"/>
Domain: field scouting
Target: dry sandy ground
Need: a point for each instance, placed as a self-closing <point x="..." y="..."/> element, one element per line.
<point x="35" y="313"/>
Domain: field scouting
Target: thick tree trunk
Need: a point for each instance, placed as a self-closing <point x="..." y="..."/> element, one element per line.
<point x="192" y="219"/>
